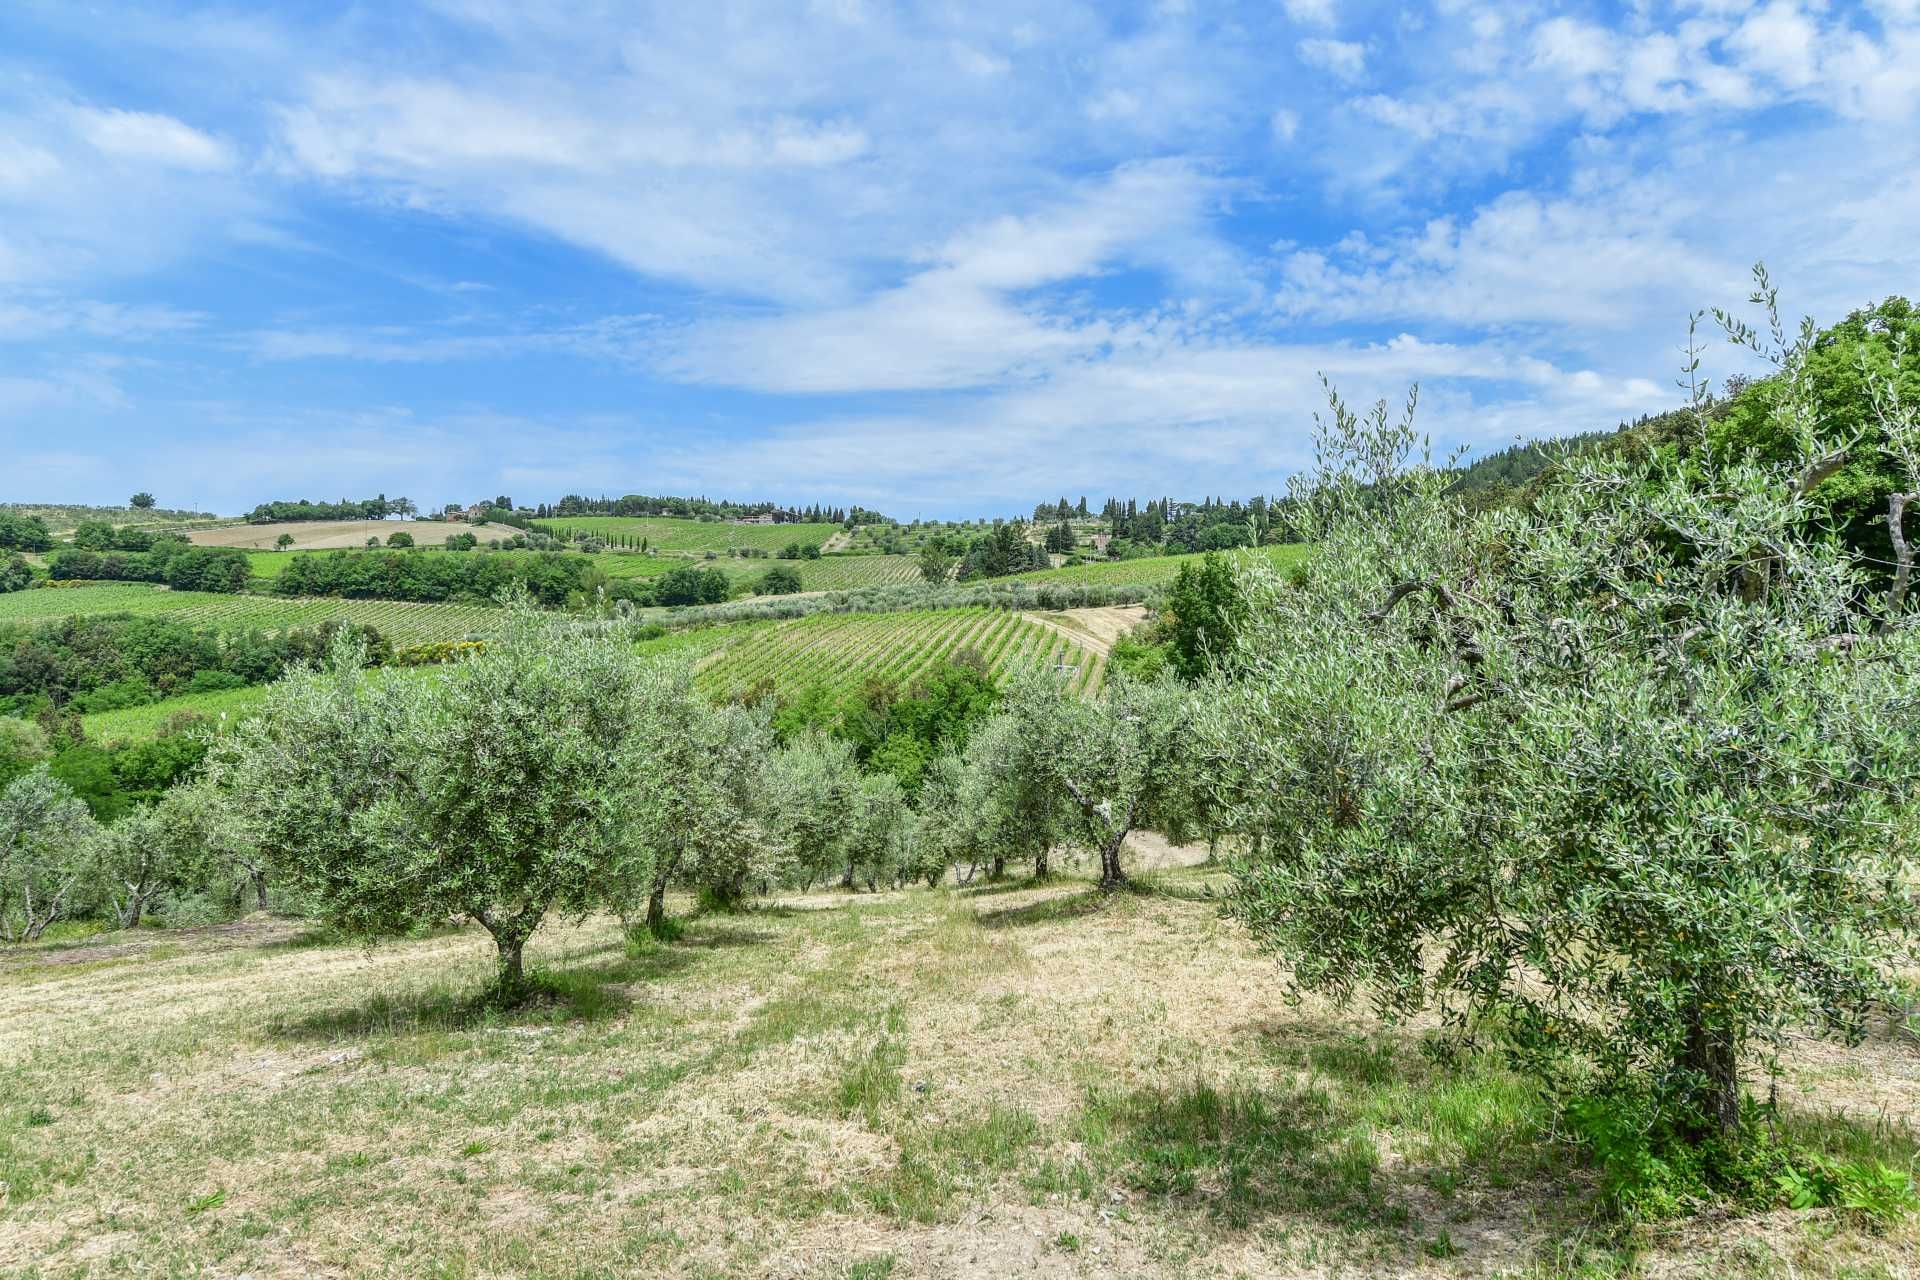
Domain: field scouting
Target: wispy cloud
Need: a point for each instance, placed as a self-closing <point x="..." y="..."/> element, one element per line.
<point x="949" y="255"/>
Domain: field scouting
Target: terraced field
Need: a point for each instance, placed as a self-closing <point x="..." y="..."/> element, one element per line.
<point x="1151" y="571"/>
<point x="403" y="622"/>
<point x="842" y="650"/>
<point x="664" y="533"/>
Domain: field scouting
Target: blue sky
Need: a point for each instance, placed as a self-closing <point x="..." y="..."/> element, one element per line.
<point x="940" y="259"/>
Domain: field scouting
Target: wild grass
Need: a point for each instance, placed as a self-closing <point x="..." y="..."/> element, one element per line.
<point x="1033" y="1080"/>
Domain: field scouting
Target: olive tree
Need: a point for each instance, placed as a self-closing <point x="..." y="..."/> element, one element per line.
<point x="503" y="788"/>
<point x="49" y="854"/>
<point x="1007" y="805"/>
<point x="703" y="803"/>
<point x="878" y="832"/>
<point x="1626" y="779"/>
<point x="817" y="795"/>
<point x="187" y="838"/>
<point x="1120" y="761"/>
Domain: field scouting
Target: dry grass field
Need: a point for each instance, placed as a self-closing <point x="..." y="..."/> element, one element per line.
<point x="329" y="535"/>
<point x="993" y="1081"/>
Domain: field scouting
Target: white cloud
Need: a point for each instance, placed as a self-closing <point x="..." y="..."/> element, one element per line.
<point x="1310" y="13"/>
<point x="143" y="137"/>
<point x="1345" y="60"/>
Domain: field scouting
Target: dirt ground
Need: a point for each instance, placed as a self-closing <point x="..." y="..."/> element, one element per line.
<point x="1007" y="1079"/>
<point x="1094" y="629"/>
<point x="324" y="535"/>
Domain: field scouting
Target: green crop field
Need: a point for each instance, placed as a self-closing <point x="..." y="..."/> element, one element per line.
<point x="136" y="724"/>
<point x="842" y="650"/>
<point x="663" y="533"/>
<point x="403" y="622"/>
<point x="829" y="573"/>
<point x="268" y="565"/>
<point x="1151" y="571"/>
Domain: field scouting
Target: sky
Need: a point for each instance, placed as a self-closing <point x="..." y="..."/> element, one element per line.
<point x="943" y="260"/>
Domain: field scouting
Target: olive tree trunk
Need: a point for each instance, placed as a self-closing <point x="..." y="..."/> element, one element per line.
<point x="510" y="934"/>
<point x="1710" y="1061"/>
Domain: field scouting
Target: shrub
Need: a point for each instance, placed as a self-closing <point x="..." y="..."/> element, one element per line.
<point x="15" y="574"/>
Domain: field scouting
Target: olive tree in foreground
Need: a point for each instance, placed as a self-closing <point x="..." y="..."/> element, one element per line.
<point x="1627" y="780"/>
<point x="503" y="789"/>
<point x="49" y="854"/>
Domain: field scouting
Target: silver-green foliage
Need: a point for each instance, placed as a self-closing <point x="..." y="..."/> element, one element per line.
<point x="50" y="850"/>
<point x="1627" y="780"/>
<point x="1115" y="765"/>
<point x="506" y="787"/>
<point x="703" y="803"/>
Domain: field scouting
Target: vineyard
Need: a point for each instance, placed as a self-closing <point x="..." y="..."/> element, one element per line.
<point x="1151" y="571"/>
<point x="402" y="622"/>
<point x="849" y="573"/>
<point x="664" y="533"/>
<point x="841" y="651"/>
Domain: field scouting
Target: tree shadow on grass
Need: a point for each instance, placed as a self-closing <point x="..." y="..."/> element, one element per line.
<point x="1066" y="906"/>
<point x="1237" y="1153"/>
<point x="551" y="999"/>
<point x="711" y="932"/>
<point x="994" y="888"/>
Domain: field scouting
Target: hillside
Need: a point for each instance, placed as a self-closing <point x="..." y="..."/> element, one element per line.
<point x="403" y="622"/>
<point x="828" y="573"/>
<point x="1147" y="571"/>
<point x="324" y="535"/>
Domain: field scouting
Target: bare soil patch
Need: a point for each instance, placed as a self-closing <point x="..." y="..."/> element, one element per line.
<point x="324" y="535"/>
<point x="1094" y="629"/>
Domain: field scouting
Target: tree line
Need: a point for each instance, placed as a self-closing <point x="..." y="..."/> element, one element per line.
<point x="551" y="578"/>
<point x="168" y="559"/>
<point x="379" y="507"/>
<point x="635" y="505"/>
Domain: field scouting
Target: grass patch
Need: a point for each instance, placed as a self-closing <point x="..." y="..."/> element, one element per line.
<point x="1239" y="1152"/>
<point x="550" y="999"/>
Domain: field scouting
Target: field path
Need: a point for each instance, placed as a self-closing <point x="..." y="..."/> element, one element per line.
<point x="1094" y="630"/>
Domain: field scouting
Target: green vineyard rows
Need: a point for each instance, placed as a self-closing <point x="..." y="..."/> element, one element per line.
<point x="664" y="533"/>
<point x="841" y="651"/>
